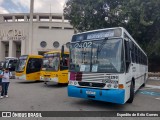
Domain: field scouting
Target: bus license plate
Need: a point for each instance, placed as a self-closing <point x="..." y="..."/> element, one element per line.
<point x="90" y="93"/>
<point x="46" y="78"/>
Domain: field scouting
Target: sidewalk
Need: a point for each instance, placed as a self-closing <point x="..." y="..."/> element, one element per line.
<point x="153" y="82"/>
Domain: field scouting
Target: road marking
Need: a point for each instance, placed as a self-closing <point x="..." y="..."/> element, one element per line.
<point x="150" y="93"/>
<point x="157" y="98"/>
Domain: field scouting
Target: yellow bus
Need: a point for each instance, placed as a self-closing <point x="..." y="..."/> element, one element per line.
<point x="29" y="67"/>
<point x="55" y="67"/>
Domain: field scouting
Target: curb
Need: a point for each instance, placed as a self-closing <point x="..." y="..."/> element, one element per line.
<point x="154" y="78"/>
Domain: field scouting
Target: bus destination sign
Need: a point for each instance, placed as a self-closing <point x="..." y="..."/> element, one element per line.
<point x="98" y="34"/>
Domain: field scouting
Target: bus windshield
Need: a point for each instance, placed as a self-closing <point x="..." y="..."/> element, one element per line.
<point x="21" y="65"/>
<point x="97" y="56"/>
<point x="5" y="65"/>
<point x="51" y="62"/>
<point x="11" y="64"/>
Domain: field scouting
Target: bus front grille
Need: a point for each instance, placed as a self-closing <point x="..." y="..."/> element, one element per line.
<point x="93" y="77"/>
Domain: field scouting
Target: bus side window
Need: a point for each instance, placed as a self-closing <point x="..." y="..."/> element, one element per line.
<point x="133" y="53"/>
<point x="136" y="52"/>
<point x="38" y="64"/>
<point x="12" y="65"/>
<point x="34" y="65"/>
<point x="127" y="54"/>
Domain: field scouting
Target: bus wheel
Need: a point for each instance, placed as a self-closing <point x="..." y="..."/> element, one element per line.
<point x="45" y="83"/>
<point x="130" y="100"/>
<point x="62" y="84"/>
<point x="143" y="85"/>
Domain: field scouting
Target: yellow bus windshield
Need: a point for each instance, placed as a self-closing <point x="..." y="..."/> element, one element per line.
<point x="51" y="62"/>
<point x="21" y="63"/>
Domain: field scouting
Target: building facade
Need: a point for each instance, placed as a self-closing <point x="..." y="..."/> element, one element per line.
<point x="22" y="34"/>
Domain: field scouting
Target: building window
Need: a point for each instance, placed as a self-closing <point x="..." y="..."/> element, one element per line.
<point x="56" y="44"/>
<point x="43" y="44"/>
<point x="43" y="27"/>
<point x="56" y="27"/>
<point x="68" y="28"/>
<point x="67" y="44"/>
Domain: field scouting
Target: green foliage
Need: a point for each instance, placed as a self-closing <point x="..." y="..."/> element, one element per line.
<point x="140" y="17"/>
<point x="90" y="14"/>
<point x="144" y="23"/>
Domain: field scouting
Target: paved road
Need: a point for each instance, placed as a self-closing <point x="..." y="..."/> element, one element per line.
<point x="36" y="96"/>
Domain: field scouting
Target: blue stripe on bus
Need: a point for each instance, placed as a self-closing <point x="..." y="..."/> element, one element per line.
<point x="111" y="95"/>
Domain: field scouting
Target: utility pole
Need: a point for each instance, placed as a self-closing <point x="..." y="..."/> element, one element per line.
<point x="31" y="27"/>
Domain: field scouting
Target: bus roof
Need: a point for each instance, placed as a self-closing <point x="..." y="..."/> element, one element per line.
<point x="29" y="55"/>
<point x="35" y="55"/>
<point x="11" y="58"/>
<point x="56" y="52"/>
<point x="100" y="30"/>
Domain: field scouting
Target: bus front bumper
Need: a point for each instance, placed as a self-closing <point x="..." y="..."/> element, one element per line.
<point x="22" y="77"/>
<point x="45" y="79"/>
<point x="111" y="95"/>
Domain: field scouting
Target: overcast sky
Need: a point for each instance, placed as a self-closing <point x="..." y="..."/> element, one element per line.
<point x="22" y="6"/>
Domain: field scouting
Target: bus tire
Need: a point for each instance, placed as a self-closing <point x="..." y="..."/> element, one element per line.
<point x="130" y="100"/>
<point x="144" y="84"/>
<point x="45" y="83"/>
<point x="62" y="84"/>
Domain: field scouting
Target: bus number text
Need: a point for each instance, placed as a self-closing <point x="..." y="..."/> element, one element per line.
<point x="83" y="45"/>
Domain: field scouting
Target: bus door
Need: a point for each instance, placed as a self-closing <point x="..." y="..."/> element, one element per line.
<point x="64" y="64"/>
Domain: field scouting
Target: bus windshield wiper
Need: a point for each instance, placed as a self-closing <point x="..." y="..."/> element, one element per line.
<point x="101" y="46"/>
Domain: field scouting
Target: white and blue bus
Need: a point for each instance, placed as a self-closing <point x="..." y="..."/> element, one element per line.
<point x="106" y="65"/>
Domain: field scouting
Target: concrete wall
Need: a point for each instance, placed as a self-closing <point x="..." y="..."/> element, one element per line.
<point x="48" y="31"/>
<point x="50" y="35"/>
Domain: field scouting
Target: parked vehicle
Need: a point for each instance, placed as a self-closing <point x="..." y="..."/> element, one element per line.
<point x="29" y="67"/>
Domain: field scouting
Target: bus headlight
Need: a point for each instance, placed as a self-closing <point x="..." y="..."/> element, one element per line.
<point x="70" y="82"/>
<point x="75" y="83"/>
<point x="115" y="86"/>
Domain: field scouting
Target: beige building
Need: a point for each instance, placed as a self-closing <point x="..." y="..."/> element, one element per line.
<point x="20" y="34"/>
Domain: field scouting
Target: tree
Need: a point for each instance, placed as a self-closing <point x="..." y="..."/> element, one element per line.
<point x="144" y="23"/>
<point x="92" y="14"/>
<point x="140" y="17"/>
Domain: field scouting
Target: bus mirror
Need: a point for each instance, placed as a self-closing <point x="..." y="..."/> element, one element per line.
<point x="9" y="66"/>
<point x="68" y="45"/>
<point x="61" y="63"/>
<point x="62" y="51"/>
